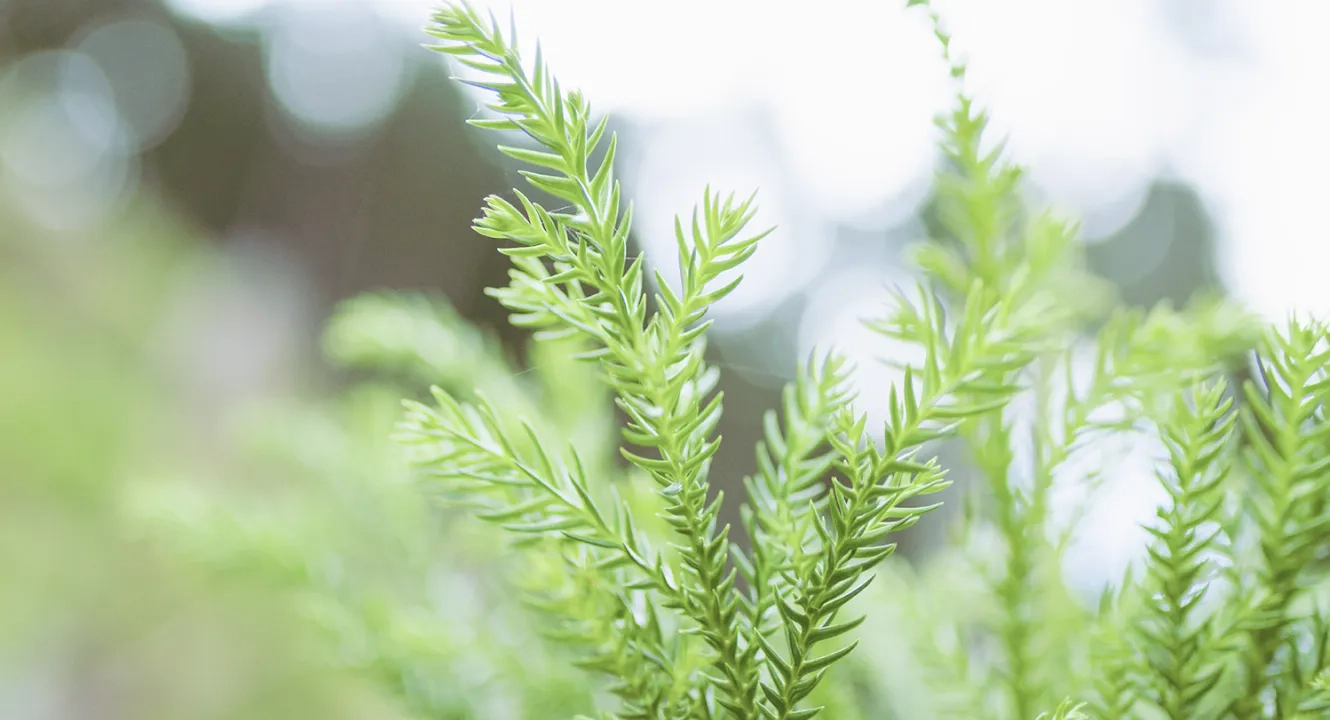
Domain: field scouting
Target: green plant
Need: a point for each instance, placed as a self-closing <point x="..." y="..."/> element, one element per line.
<point x="621" y="562"/>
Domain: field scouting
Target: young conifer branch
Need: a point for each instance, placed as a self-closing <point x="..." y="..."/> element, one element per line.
<point x="469" y="451"/>
<point x="787" y="495"/>
<point x="866" y="502"/>
<point x="1284" y="423"/>
<point x="998" y="253"/>
<point x="864" y="507"/>
<point x="995" y="242"/>
<point x="1174" y="636"/>
<point x="589" y="286"/>
<point x="464" y="449"/>
<point x="620" y="635"/>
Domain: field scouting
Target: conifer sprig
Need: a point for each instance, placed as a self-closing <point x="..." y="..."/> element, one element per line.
<point x="787" y="495"/>
<point x="1175" y="638"/>
<point x="466" y="453"/>
<point x="621" y="635"/>
<point x="994" y="251"/>
<point x="865" y="506"/>
<point x="572" y="273"/>
<point x="1288" y="442"/>
<point x="866" y="501"/>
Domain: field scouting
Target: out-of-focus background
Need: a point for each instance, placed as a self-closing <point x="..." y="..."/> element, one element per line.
<point x="188" y="187"/>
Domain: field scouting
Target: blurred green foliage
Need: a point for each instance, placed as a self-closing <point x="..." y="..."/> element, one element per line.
<point x="96" y="618"/>
<point x="177" y="558"/>
<point x="177" y="543"/>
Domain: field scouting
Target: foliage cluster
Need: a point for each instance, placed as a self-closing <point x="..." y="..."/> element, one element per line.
<point x="614" y="547"/>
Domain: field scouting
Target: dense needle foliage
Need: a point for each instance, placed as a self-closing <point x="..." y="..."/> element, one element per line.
<point x="615" y="548"/>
